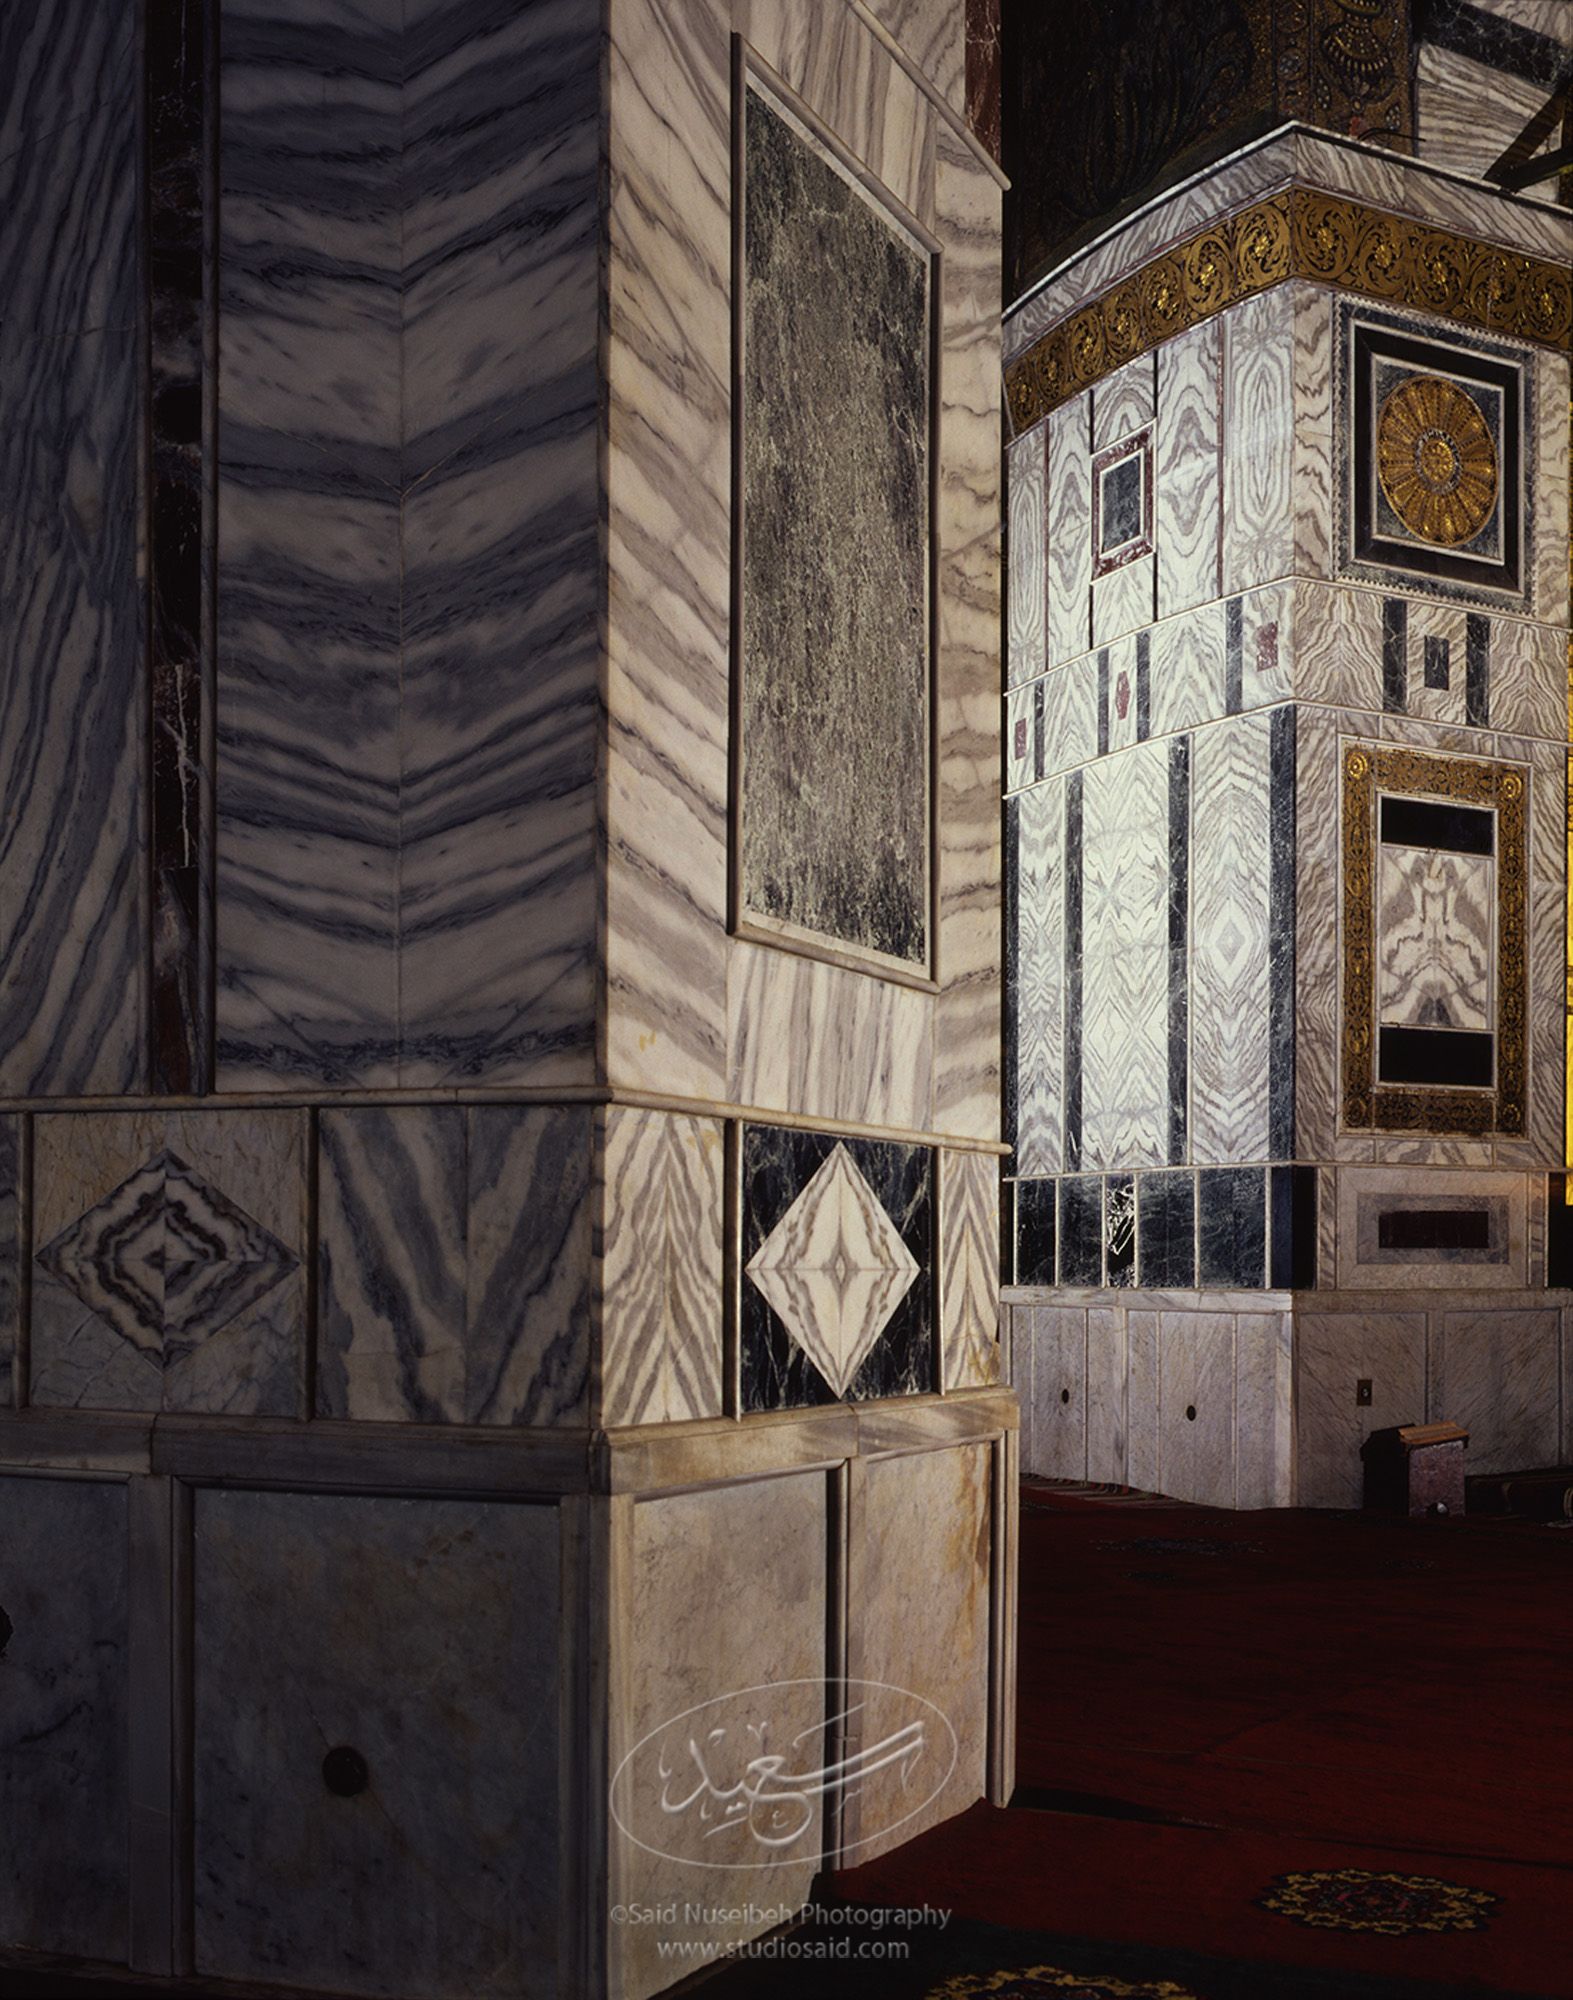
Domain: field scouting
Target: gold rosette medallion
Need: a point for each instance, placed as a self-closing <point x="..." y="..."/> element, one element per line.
<point x="1437" y="461"/>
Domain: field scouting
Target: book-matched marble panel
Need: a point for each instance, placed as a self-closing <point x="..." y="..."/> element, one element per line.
<point x="1189" y="670"/>
<point x="454" y="1264"/>
<point x="342" y="1824"/>
<point x="1259" y="426"/>
<point x="661" y="1294"/>
<point x="1068" y="512"/>
<point x="969" y="1269"/>
<point x="1231" y="934"/>
<point x="1544" y="1116"/>
<point x="168" y="1262"/>
<point x="1026" y="598"/>
<point x="1498" y="1374"/>
<point x="1124" y="402"/>
<point x="1311" y="311"/>
<point x="1317" y="890"/>
<point x="1188" y="468"/>
<point x="1553" y="477"/>
<point x="838" y="1252"/>
<point x="1125" y="961"/>
<point x="1434" y="928"/>
<point x="1040" y="980"/>
<point x="1528" y="677"/>
<point x="72" y="688"/>
<point x="65" y="1725"/>
<point x="406" y="630"/>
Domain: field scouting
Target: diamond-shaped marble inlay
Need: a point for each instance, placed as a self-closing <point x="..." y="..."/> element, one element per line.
<point x="165" y="1258"/>
<point x="834" y="1269"/>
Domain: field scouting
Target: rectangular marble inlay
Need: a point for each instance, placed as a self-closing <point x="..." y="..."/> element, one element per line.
<point x="834" y="667"/>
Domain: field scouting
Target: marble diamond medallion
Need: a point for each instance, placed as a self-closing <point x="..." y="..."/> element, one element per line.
<point x="834" y="1269"/>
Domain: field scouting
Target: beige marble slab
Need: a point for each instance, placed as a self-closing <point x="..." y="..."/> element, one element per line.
<point x="1196" y="1407"/>
<point x="1057" y="1435"/>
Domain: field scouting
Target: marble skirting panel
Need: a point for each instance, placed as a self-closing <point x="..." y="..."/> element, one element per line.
<point x="1191" y="1398"/>
<point x="64" y="1734"/>
<point x="382" y="464"/>
<point x="660" y="1287"/>
<point x="724" y="1592"/>
<point x="168" y="1262"/>
<point x="454" y="1264"/>
<point x="349" y="1831"/>
<point x="73" y="706"/>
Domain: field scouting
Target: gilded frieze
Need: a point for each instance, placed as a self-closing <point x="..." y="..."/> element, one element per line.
<point x="1297" y="233"/>
<point x="1371" y="772"/>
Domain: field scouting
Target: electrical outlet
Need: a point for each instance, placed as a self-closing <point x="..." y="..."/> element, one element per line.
<point x="1363" y="1392"/>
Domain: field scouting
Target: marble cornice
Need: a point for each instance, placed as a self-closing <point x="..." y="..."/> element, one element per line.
<point x="1297" y="232"/>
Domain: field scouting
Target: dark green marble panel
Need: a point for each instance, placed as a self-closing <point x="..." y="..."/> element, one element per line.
<point x="834" y="821"/>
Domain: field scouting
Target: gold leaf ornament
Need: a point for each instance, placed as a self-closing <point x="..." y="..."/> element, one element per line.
<point x="1437" y="460"/>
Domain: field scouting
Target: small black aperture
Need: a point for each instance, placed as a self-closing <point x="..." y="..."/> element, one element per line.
<point x="344" y="1772"/>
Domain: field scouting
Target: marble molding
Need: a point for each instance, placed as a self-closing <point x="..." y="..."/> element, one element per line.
<point x="454" y="1264"/>
<point x="442" y="1871"/>
<point x="72" y="686"/>
<point x="838" y="1269"/>
<point x="454" y="707"/>
<point x="660" y="1285"/>
<point x="168" y="1262"/>
<point x="63" y="1590"/>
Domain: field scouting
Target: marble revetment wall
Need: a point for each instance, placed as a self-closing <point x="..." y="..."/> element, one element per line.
<point x="499" y="1055"/>
<point x="1286" y="855"/>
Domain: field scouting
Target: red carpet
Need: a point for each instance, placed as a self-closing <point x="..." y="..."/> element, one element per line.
<point x="1306" y="1692"/>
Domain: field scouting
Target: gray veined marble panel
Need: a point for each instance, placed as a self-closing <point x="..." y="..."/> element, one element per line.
<point x="1334" y="1353"/>
<point x="1553" y="477"/>
<point x="64" y="1736"/>
<point x="1468" y="113"/>
<point x="1125" y="1018"/>
<point x="1123" y="402"/>
<point x="661" y="1290"/>
<point x="71" y="682"/>
<point x="1497" y="1374"/>
<point x="1434" y="926"/>
<point x="1196" y="1407"/>
<point x="1231" y="918"/>
<point x="1040" y="974"/>
<point x="1338" y="646"/>
<point x="1312" y="309"/>
<point x="454" y="1264"/>
<point x="421" y="1634"/>
<point x="1122" y="600"/>
<point x="307" y="697"/>
<point x="1258" y="427"/>
<point x="1188" y="468"/>
<point x="1028" y="604"/>
<point x="58" y="66"/>
<point x="1068" y="513"/>
<point x="1528" y="669"/>
<point x="834" y="806"/>
<point x="969" y="1310"/>
<point x="1187" y="670"/>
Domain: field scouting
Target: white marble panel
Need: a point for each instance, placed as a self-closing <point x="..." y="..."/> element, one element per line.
<point x="1433" y="937"/>
<point x="1108" y="1368"/>
<point x="1196" y="1422"/>
<point x="1188" y="668"/>
<point x="1027" y="602"/>
<point x="1122" y="601"/>
<point x="1188" y="468"/>
<point x="1068" y="513"/>
<point x="1259" y="431"/>
<point x="1468" y="113"/>
<point x="1231" y="920"/>
<point x="1553" y="390"/>
<point x="1529" y="694"/>
<point x="1040" y="980"/>
<point x="1125" y="960"/>
<point x="1368" y="1189"/>
<point x="1070" y="715"/>
<point x="1141" y="1401"/>
<point x="1338" y="646"/>
<point x="1123" y="402"/>
<point x="1497" y="1374"/>
<point x="1264" y="1410"/>
<point x="1312" y="308"/>
<point x="1059" y="1392"/>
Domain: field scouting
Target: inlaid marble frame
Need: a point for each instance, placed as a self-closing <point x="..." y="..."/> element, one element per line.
<point x="832" y="838"/>
<point x="1122" y="503"/>
<point x="1372" y="772"/>
<point x="1379" y="360"/>
<point x="835" y="1295"/>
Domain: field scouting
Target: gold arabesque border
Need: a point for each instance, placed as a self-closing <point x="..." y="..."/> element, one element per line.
<point x="1297" y="233"/>
<point x="1370" y="769"/>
